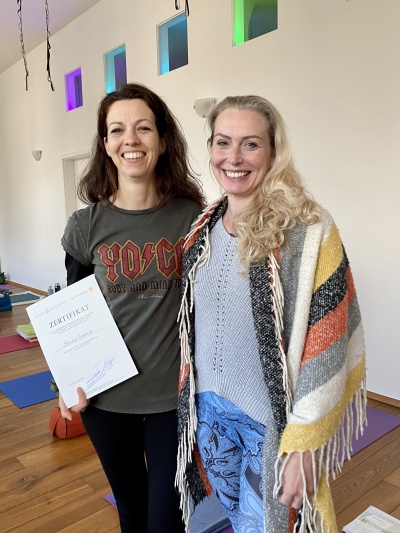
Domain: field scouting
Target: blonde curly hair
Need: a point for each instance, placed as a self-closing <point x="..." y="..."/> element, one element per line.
<point x="281" y="199"/>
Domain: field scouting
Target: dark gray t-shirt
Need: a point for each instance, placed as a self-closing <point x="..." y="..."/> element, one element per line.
<point x="137" y="258"/>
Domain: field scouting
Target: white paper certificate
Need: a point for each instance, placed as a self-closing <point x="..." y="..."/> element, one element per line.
<point x="80" y="340"/>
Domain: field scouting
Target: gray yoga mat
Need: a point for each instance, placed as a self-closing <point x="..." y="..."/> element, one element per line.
<point x="209" y="517"/>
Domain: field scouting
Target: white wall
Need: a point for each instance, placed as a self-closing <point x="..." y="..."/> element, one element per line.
<point x="331" y="68"/>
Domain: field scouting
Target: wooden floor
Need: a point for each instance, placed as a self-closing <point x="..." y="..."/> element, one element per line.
<point x="46" y="484"/>
<point x="49" y="485"/>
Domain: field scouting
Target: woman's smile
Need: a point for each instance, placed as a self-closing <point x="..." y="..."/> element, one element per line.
<point x="241" y="153"/>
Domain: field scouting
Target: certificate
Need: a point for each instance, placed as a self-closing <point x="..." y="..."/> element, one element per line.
<point x="80" y="340"/>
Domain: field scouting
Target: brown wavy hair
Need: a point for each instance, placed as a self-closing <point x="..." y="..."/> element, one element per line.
<point x="174" y="174"/>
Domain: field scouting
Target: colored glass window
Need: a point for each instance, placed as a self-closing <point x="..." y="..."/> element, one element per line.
<point x="73" y="89"/>
<point x="115" y="69"/>
<point x="173" y="44"/>
<point x="253" y="18"/>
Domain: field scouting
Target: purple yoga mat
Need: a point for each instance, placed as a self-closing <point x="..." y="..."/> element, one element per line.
<point x="110" y="498"/>
<point x="379" y="424"/>
<point x="7" y="287"/>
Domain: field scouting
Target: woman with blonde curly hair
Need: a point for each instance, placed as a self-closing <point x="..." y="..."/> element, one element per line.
<point x="273" y="353"/>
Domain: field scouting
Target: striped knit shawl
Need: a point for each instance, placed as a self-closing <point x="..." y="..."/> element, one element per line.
<point x="312" y="352"/>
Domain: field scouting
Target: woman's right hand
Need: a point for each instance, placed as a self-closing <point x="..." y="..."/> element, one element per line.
<point x="298" y="469"/>
<point x="83" y="402"/>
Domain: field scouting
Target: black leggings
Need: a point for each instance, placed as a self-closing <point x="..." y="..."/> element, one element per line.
<point x="146" y="498"/>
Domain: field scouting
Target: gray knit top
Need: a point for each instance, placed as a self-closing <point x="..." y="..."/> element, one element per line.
<point x="227" y="359"/>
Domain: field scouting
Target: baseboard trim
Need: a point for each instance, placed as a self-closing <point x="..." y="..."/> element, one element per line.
<point x="383" y="399"/>
<point x="26" y="287"/>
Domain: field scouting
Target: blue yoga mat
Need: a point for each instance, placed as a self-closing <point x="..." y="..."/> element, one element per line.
<point x="24" y="298"/>
<point x="29" y="390"/>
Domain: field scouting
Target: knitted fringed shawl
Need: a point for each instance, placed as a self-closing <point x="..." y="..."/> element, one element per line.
<point x="312" y="352"/>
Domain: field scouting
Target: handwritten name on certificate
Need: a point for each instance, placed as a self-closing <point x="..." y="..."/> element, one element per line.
<point x="80" y="340"/>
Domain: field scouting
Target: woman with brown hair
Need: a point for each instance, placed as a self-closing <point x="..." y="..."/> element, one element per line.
<point x="143" y="198"/>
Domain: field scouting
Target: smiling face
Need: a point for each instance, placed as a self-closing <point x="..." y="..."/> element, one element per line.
<point x="241" y="153"/>
<point x="132" y="140"/>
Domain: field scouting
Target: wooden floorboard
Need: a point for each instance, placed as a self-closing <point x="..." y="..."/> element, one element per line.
<point x="46" y="484"/>
<point x="49" y="485"/>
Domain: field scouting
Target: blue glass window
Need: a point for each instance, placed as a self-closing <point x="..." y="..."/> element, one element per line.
<point x="173" y="44"/>
<point x="115" y="69"/>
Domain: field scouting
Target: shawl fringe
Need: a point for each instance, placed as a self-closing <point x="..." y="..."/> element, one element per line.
<point x="326" y="460"/>
<point x="277" y="306"/>
<point x="187" y="440"/>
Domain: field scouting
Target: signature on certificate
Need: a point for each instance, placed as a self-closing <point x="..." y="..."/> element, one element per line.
<point x="105" y="365"/>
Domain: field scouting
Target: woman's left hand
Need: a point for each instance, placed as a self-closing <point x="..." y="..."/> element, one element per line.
<point x="292" y="489"/>
<point x="83" y="402"/>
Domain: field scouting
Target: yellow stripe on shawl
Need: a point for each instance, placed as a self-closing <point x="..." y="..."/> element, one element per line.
<point x="329" y="258"/>
<point x="302" y="437"/>
<point x="324" y="505"/>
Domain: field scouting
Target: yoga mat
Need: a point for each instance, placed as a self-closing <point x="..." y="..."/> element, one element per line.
<point x="379" y="424"/>
<point x="29" y="390"/>
<point x="12" y="343"/>
<point x="209" y="516"/>
<point x="24" y="298"/>
<point x="7" y="287"/>
<point x="110" y="498"/>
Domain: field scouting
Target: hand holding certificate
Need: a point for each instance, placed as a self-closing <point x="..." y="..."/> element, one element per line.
<point x="80" y="340"/>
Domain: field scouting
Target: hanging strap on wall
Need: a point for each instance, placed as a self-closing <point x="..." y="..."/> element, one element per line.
<point x="48" y="45"/>
<point x="21" y="38"/>
<point x="178" y="6"/>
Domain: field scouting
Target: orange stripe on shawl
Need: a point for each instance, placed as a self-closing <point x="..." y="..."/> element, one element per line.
<point x="326" y="332"/>
<point x="292" y="519"/>
<point x="191" y="240"/>
<point x="183" y="374"/>
<point x="197" y="227"/>
<point x="331" y="327"/>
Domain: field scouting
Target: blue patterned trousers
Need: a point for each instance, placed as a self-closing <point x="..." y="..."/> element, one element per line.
<point x="230" y="445"/>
